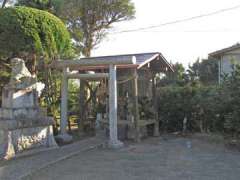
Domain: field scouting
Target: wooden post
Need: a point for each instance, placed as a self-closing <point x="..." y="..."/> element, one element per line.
<point x="64" y="108"/>
<point x="135" y="105"/>
<point x="82" y="106"/>
<point x="154" y="100"/>
<point x="113" y="141"/>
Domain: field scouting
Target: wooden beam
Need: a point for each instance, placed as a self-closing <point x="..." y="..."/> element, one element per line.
<point x="103" y="67"/>
<point x="59" y="64"/>
<point x="97" y="76"/>
<point x="154" y="100"/>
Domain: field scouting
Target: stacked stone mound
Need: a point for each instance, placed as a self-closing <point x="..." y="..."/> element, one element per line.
<point x="23" y="124"/>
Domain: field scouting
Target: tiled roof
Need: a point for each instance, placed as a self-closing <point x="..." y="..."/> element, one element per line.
<point x="141" y="58"/>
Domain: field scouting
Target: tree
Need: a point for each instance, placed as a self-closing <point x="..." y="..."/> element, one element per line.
<point x="30" y="33"/>
<point x="52" y="6"/>
<point x="4" y="2"/>
<point x="94" y="18"/>
<point x="205" y="71"/>
<point x="87" y="20"/>
<point x="35" y="36"/>
<point x="177" y="77"/>
<point x="7" y="3"/>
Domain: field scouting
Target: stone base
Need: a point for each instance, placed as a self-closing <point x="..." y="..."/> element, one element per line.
<point x="64" y="138"/>
<point x="14" y="142"/>
<point x="115" y="144"/>
<point x="156" y="130"/>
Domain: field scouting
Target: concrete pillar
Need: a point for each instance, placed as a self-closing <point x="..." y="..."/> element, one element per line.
<point x="63" y="136"/>
<point x="113" y="135"/>
<point x="64" y="102"/>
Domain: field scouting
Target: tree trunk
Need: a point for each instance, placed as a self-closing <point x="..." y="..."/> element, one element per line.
<point x="4" y="3"/>
<point x="82" y="94"/>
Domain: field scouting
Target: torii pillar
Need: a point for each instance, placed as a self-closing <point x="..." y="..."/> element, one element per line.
<point x="113" y="134"/>
<point x="64" y="136"/>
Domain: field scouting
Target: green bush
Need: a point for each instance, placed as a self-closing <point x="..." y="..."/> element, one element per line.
<point x="37" y="37"/>
<point x="207" y="108"/>
<point x="198" y="104"/>
<point x="25" y="31"/>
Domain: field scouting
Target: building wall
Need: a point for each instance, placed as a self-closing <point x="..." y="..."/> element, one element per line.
<point x="227" y="61"/>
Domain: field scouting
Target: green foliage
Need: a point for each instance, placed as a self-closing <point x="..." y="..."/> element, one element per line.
<point x="89" y="20"/>
<point x="231" y="101"/>
<point x="207" y="108"/>
<point x="206" y="71"/>
<point x="197" y="103"/>
<point x="73" y="98"/>
<point x="33" y="34"/>
<point x="25" y="31"/>
<point x="52" y="6"/>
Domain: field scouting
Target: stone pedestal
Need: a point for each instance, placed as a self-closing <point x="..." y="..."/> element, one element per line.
<point x="23" y="124"/>
<point x="115" y="144"/>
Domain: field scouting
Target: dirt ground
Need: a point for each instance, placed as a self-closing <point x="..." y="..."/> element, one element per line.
<point x="163" y="158"/>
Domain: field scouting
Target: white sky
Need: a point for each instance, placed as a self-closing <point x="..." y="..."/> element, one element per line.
<point x="183" y="42"/>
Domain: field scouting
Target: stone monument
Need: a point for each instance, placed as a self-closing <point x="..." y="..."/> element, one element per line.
<point x="23" y="124"/>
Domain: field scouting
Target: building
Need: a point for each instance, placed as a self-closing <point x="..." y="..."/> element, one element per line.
<point x="226" y="58"/>
<point x="127" y="88"/>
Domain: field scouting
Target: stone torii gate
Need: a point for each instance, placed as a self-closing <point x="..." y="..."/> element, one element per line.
<point x="66" y="66"/>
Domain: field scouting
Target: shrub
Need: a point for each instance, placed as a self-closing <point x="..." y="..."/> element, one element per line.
<point x="25" y="31"/>
<point x="196" y="103"/>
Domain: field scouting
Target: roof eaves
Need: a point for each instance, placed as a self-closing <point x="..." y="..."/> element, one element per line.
<point x="169" y="65"/>
<point x="222" y="51"/>
<point x="148" y="60"/>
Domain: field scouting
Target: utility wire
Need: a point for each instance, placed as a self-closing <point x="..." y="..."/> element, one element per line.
<point x="180" y="20"/>
<point x="193" y="31"/>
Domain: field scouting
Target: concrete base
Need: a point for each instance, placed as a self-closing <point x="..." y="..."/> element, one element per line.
<point x="115" y="144"/>
<point x="64" y="138"/>
<point x="156" y="134"/>
<point x="15" y="142"/>
<point x="156" y="130"/>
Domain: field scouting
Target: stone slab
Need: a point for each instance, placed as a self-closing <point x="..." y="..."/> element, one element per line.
<point x="25" y="123"/>
<point x="18" y="113"/>
<point x="19" y="98"/>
